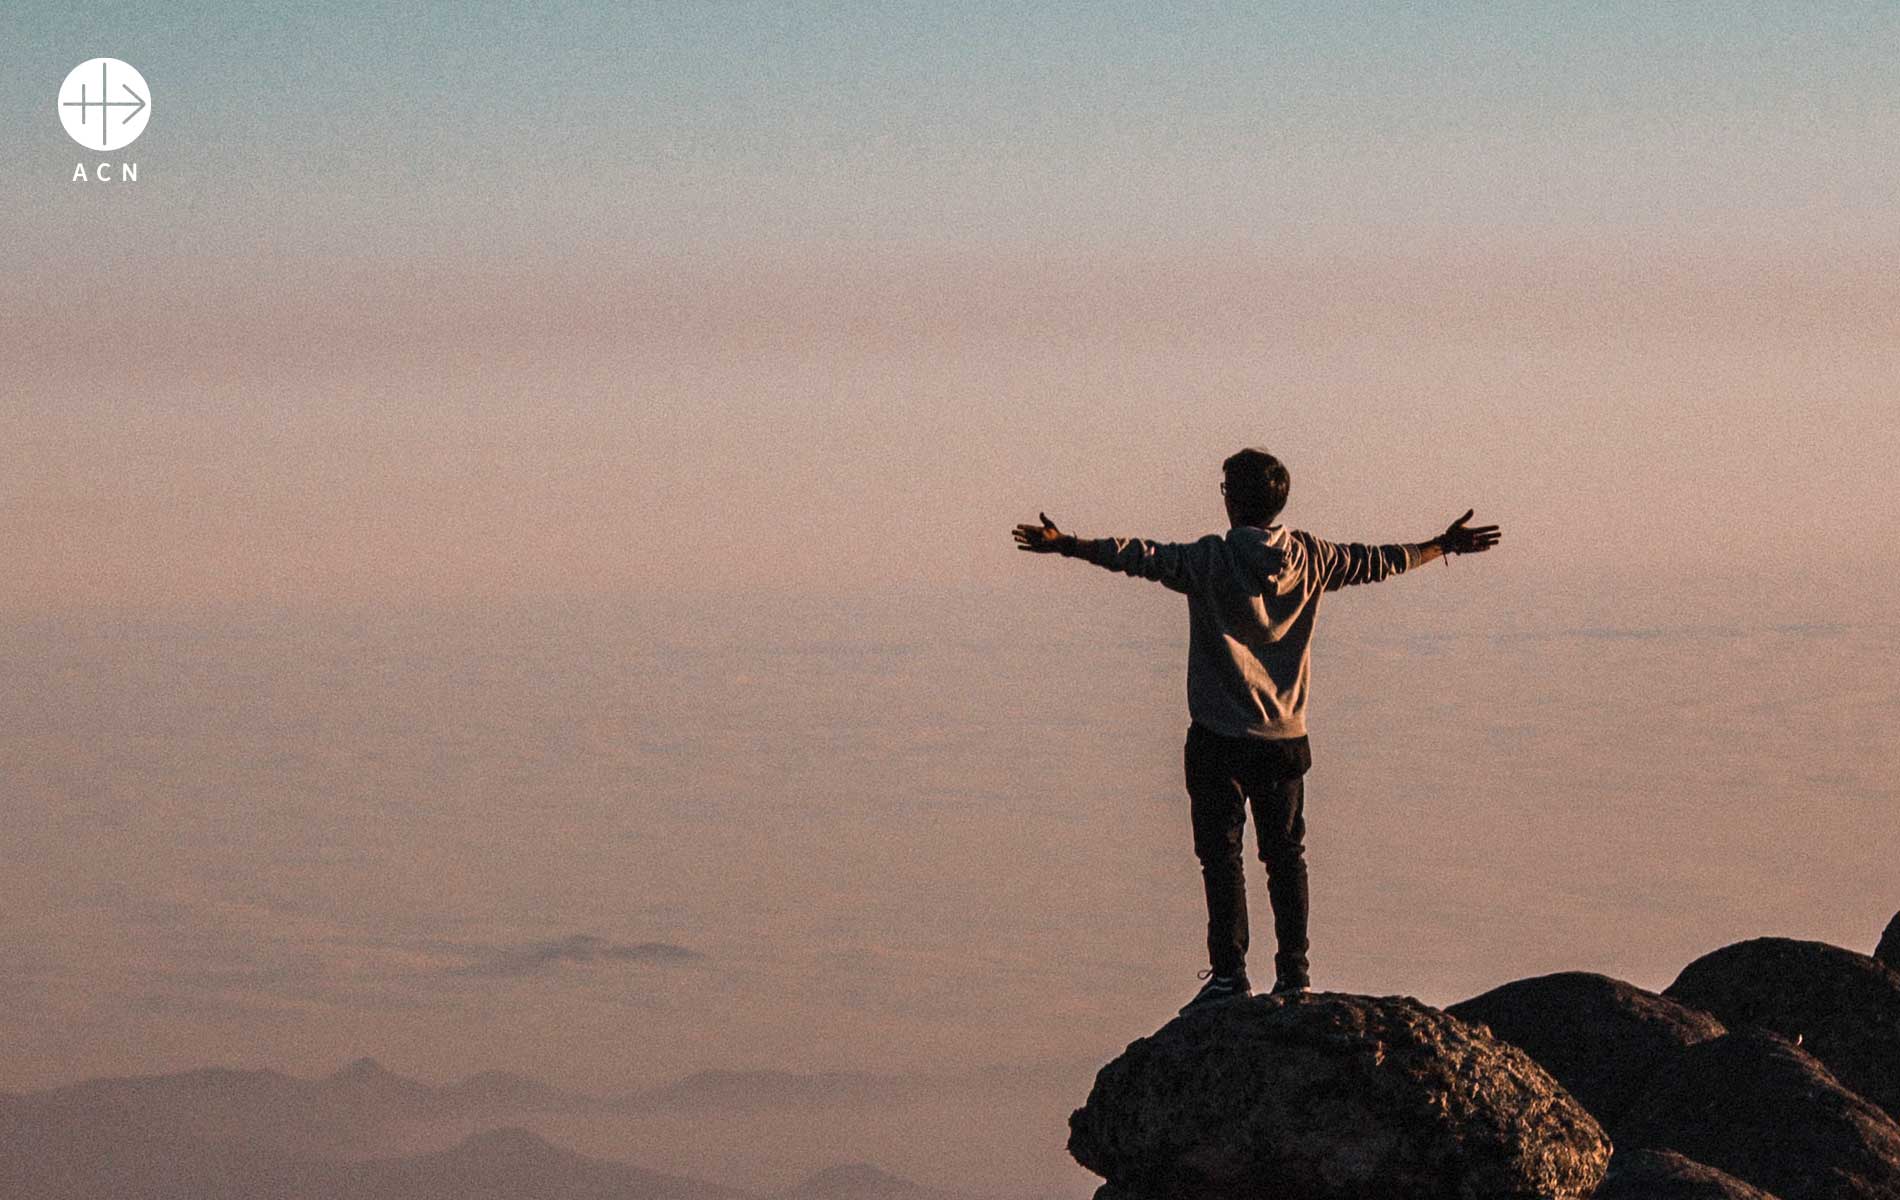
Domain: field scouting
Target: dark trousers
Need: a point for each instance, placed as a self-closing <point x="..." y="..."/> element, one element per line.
<point x="1223" y="775"/>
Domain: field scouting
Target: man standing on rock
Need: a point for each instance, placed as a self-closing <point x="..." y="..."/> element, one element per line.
<point x="1253" y="597"/>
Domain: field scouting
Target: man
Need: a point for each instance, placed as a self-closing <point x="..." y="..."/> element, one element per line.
<point x="1253" y="597"/>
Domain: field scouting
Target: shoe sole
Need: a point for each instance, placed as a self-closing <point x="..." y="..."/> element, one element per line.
<point x="1210" y="1001"/>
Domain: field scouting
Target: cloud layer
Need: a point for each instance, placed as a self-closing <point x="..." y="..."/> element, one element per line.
<point x="533" y="958"/>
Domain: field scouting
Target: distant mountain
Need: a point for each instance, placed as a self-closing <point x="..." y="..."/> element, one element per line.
<point x="223" y="1134"/>
<point x="345" y="1109"/>
<point x="506" y="1092"/>
<point x="261" y="1107"/>
<point x="78" y="1145"/>
<point x="336" y="1114"/>
<point x="858" y="1181"/>
<point x="58" y="1151"/>
<point x="75" y="1147"/>
<point x="369" y="1086"/>
<point x="771" y="1089"/>
<point x="510" y="1164"/>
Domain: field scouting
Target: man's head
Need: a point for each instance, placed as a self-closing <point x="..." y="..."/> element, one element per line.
<point x="1255" y="487"/>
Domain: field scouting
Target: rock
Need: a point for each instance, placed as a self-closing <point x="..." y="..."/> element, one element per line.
<point x="1754" y="1105"/>
<point x="1666" y="1175"/>
<point x="1888" y="951"/>
<point x="1328" y="1095"/>
<point x="1842" y="1006"/>
<point x="1602" y="1038"/>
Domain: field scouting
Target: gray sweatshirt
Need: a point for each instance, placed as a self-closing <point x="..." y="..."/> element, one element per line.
<point x="1252" y="599"/>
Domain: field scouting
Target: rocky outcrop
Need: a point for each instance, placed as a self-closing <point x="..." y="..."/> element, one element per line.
<point x="1844" y="1007"/>
<point x="1666" y="1175"/>
<point x="1888" y="951"/>
<point x="1332" y="1096"/>
<point x="1754" y="1105"/>
<point x="1600" y="1037"/>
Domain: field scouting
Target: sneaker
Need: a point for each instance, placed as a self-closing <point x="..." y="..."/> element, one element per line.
<point x="1217" y="988"/>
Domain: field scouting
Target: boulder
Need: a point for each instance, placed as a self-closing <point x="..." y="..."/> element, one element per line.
<point x="1602" y="1038"/>
<point x="1888" y="951"/>
<point x="1753" y="1104"/>
<point x="1666" y="1175"/>
<point x="1843" y="1007"/>
<point x="1332" y="1096"/>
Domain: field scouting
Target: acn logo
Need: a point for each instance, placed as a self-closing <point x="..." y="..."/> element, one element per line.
<point x="104" y="104"/>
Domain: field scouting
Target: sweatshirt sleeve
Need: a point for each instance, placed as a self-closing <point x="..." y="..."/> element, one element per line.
<point x="1345" y="564"/>
<point x="1179" y="566"/>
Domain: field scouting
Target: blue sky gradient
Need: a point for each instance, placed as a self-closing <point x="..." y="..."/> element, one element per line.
<point x="474" y="129"/>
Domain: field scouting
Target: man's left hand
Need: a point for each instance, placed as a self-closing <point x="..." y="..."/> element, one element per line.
<point x="1459" y="538"/>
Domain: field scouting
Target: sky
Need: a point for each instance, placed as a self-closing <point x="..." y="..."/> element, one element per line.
<point x="428" y="302"/>
<point x="486" y="451"/>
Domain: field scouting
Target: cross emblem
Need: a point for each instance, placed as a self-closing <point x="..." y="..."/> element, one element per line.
<point x="96" y="113"/>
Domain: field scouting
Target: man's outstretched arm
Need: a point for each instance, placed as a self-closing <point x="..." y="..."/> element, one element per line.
<point x="1344" y="564"/>
<point x="1171" y="564"/>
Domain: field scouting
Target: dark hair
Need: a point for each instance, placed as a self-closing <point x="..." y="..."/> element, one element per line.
<point x="1257" y="484"/>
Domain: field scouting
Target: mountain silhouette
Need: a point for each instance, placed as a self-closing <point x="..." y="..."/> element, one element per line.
<point x="223" y="1134"/>
<point x="340" y="1113"/>
<point x="505" y="1164"/>
<point x="505" y="1091"/>
<point x="857" y="1181"/>
<point x="368" y="1086"/>
<point x="770" y="1089"/>
<point x="59" y="1152"/>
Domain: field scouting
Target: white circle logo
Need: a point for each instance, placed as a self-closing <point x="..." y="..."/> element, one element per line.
<point x="104" y="104"/>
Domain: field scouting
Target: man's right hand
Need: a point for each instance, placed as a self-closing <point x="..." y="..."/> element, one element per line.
<point x="1040" y="539"/>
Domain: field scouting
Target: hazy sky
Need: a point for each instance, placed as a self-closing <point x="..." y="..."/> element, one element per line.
<point x="439" y="300"/>
<point x="802" y="305"/>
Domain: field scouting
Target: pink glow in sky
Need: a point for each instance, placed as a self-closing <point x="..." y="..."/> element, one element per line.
<point x="498" y="478"/>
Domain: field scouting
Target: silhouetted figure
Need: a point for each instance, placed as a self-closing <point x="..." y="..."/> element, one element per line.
<point x="1253" y="597"/>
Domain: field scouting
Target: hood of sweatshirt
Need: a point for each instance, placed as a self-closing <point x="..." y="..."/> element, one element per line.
<point x="1260" y="557"/>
